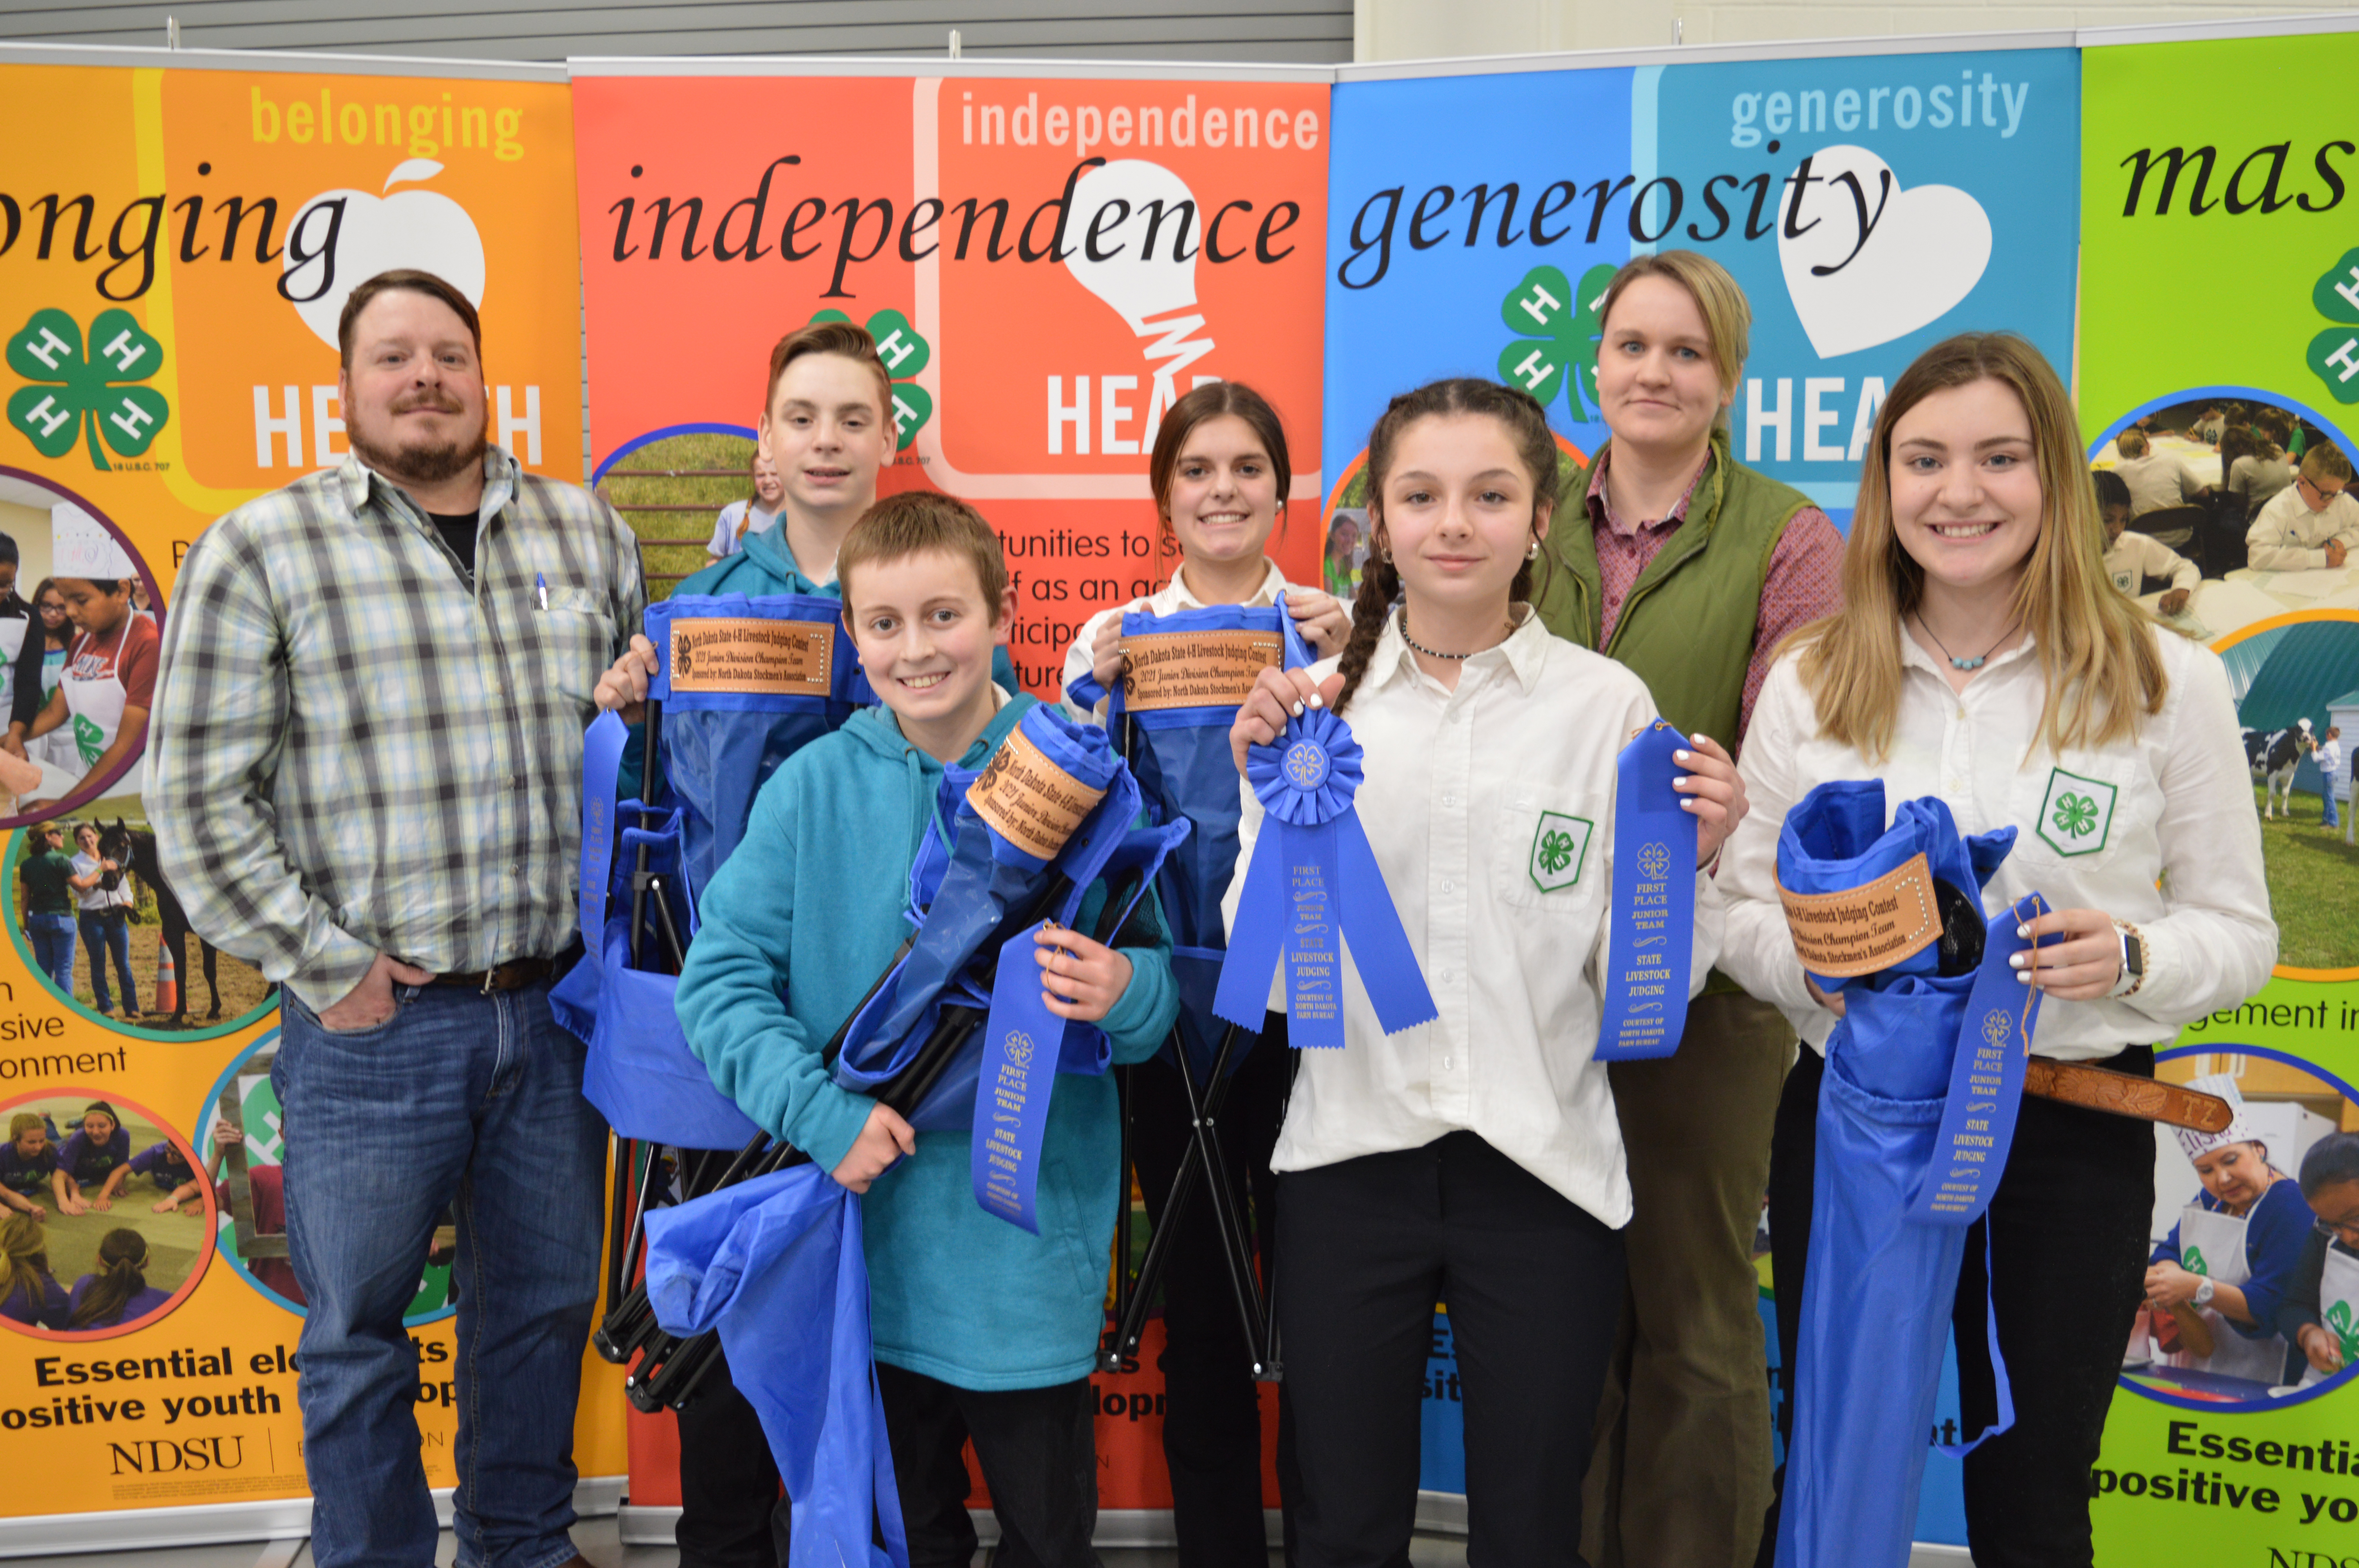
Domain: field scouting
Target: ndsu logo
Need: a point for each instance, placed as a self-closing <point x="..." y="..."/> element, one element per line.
<point x="191" y="1455"/>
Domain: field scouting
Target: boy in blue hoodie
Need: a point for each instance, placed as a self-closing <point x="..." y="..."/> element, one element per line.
<point x="980" y="1329"/>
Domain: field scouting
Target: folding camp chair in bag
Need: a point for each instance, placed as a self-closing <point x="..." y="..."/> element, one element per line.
<point x="741" y="684"/>
<point x="1184" y="677"/>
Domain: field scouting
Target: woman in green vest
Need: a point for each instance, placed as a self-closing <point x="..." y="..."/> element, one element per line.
<point x="1688" y="568"/>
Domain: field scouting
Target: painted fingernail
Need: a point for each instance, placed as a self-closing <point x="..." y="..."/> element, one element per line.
<point x="1298" y="711"/>
<point x="2024" y="932"/>
<point x="1317" y="701"/>
<point x="2016" y="960"/>
<point x="1680" y="756"/>
<point x="2023" y="980"/>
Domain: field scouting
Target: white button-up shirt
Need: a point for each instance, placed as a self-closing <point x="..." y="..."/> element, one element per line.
<point x="1170" y="601"/>
<point x="2159" y="830"/>
<point x="1462" y="788"/>
<point x="2288" y="537"/>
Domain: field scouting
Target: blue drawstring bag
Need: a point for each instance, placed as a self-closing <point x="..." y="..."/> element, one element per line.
<point x="973" y="875"/>
<point x="775" y="1264"/>
<point x="744" y="683"/>
<point x="1920" y="962"/>
<point x="1186" y="673"/>
<point x="638" y="1070"/>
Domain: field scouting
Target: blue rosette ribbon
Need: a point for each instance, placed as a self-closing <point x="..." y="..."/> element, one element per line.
<point x="1312" y="884"/>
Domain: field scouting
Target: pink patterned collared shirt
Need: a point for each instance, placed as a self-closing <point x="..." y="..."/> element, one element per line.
<point x="1804" y="581"/>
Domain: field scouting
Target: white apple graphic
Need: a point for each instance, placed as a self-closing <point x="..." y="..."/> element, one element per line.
<point x="422" y="229"/>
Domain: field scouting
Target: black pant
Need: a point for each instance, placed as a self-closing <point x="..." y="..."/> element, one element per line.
<point x="2066" y="1234"/>
<point x="1534" y="1286"/>
<point x="732" y="1512"/>
<point x="1211" y="1422"/>
<point x="1039" y="1452"/>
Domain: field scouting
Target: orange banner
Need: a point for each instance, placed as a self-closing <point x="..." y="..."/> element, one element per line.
<point x="1045" y="264"/>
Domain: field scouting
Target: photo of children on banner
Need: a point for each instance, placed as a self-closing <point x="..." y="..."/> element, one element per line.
<point x="981" y="1318"/>
<point x="755" y="513"/>
<point x="108" y="681"/>
<point x="122" y="1226"/>
<point x="40" y="666"/>
<point x="2222" y="1272"/>
<point x="2320" y="1314"/>
<point x="2256" y="511"/>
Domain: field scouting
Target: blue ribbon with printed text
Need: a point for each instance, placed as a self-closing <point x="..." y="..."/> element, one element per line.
<point x="1986" y="1081"/>
<point x="1312" y="883"/>
<point x="1650" y="924"/>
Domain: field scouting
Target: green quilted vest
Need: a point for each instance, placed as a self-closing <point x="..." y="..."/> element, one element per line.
<point x="1687" y="627"/>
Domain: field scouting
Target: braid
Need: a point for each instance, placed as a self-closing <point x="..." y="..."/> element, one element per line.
<point x="1379" y="587"/>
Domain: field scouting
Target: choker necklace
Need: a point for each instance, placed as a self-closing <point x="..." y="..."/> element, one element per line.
<point x="1956" y="662"/>
<point x="1431" y="653"/>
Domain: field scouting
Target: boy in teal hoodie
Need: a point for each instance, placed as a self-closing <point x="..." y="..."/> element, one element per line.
<point x="980" y="1329"/>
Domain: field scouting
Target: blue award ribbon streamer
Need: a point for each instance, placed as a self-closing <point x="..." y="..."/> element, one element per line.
<point x="1312" y="883"/>
<point x="1011" y="1094"/>
<point x="1650" y="940"/>
<point x="602" y="762"/>
<point x="1986" y="1081"/>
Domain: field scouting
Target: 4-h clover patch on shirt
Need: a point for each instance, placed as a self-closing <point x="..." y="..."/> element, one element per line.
<point x="1559" y="848"/>
<point x="2077" y="816"/>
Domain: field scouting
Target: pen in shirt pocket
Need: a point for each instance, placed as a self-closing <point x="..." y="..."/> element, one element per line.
<point x="540" y="585"/>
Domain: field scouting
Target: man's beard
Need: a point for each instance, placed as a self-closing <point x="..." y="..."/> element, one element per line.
<point x="424" y="465"/>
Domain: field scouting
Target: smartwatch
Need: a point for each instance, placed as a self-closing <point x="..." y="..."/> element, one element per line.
<point x="2133" y="973"/>
<point x="2204" y="1292"/>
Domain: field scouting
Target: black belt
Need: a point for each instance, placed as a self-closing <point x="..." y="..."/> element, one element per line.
<point x="514" y="974"/>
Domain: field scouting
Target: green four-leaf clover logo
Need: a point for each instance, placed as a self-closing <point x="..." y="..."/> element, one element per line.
<point x="2334" y="353"/>
<point x="1560" y="845"/>
<point x="905" y="354"/>
<point x="2338" y="1320"/>
<point x="2076" y="815"/>
<point x="72" y="398"/>
<point x="1548" y="308"/>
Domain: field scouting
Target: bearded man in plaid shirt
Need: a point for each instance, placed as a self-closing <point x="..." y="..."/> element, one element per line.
<point x="365" y="777"/>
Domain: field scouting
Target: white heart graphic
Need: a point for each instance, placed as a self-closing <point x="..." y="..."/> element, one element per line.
<point x="1874" y="262"/>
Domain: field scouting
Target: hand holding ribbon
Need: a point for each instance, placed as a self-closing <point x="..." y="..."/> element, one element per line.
<point x="1314" y="880"/>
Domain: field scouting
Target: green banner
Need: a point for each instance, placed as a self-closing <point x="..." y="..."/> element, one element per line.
<point x="2219" y="350"/>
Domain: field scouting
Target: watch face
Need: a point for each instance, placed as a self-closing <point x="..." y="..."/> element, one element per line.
<point x="2135" y="955"/>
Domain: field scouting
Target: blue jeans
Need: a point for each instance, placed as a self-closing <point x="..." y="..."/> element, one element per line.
<point x="458" y="1098"/>
<point x="52" y="936"/>
<point x="2330" y="820"/>
<point x="106" y="931"/>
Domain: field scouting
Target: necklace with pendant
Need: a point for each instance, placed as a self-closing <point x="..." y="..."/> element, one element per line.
<point x="1956" y="663"/>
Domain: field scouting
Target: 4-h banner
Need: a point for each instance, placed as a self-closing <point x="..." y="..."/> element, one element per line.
<point x="176" y="239"/>
<point x="1046" y="262"/>
<point x="2204" y="164"/>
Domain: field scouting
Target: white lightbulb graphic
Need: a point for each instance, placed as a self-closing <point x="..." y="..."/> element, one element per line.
<point x="1155" y="294"/>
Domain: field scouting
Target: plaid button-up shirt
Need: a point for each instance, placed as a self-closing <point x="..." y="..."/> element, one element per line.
<point x="351" y="753"/>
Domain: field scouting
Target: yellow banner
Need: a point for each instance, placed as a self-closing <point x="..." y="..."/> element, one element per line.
<point x="175" y="247"/>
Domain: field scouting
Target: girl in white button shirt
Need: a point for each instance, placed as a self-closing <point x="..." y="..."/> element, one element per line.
<point x="1474" y="1160"/>
<point x="1983" y="656"/>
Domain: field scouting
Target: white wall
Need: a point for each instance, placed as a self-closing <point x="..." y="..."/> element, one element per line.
<point x="1421" y="29"/>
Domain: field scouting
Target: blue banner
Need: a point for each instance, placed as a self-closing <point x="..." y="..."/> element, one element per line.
<point x="1869" y="206"/>
<point x="1651" y="944"/>
<point x="1312" y="883"/>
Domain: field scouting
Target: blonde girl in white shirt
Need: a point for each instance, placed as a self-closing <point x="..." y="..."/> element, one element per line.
<point x="1220" y="472"/>
<point x="1983" y="656"/>
<point x="1474" y="1160"/>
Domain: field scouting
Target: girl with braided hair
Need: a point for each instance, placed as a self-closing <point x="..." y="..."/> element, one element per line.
<point x="1474" y="1160"/>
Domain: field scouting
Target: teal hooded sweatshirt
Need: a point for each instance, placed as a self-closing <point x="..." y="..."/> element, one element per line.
<point x="797" y="925"/>
<point x="763" y="565"/>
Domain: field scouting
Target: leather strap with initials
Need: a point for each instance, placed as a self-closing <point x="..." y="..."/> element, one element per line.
<point x="2125" y="1094"/>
